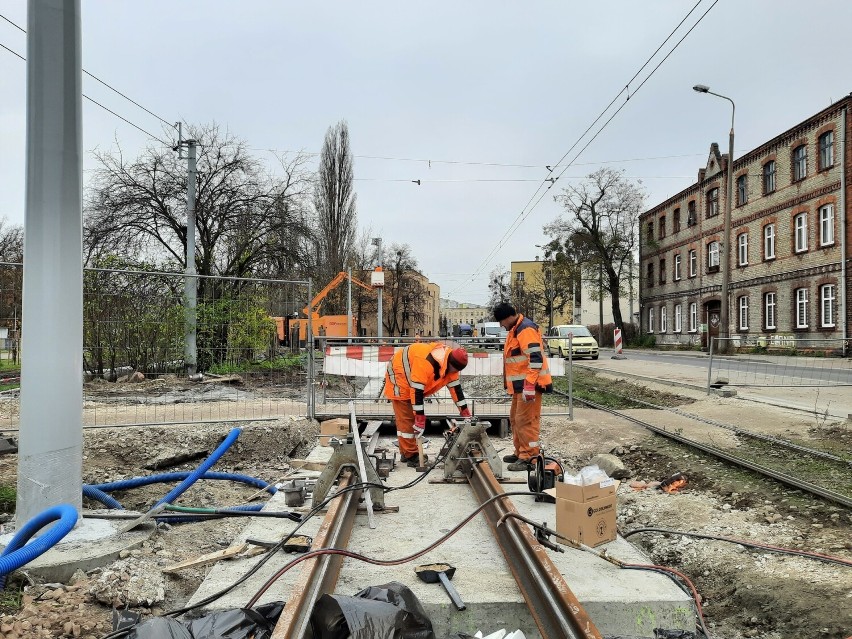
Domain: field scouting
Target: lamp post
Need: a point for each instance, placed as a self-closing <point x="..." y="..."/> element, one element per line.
<point x="723" y="315"/>
<point x="549" y="293"/>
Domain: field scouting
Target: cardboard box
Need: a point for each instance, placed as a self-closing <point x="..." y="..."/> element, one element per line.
<point x="338" y="427"/>
<point x="586" y="513"/>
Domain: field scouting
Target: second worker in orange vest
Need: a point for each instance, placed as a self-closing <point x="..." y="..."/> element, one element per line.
<point x="526" y="375"/>
<point x="414" y="373"/>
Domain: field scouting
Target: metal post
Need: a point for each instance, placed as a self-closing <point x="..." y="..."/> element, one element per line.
<point x="600" y="303"/>
<point x="378" y="243"/>
<point x="50" y="446"/>
<point x="349" y="305"/>
<point x="571" y="376"/>
<point x="191" y="281"/>
<point x="309" y="342"/>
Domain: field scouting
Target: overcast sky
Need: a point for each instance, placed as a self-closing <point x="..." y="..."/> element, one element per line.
<point x="463" y="84"/>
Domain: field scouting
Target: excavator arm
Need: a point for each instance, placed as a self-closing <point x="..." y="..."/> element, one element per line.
<point x="313" y="307"/>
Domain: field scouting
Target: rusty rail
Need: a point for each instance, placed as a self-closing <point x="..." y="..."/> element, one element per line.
<point x="319" y="576"/>
<point x="555" y="609"/>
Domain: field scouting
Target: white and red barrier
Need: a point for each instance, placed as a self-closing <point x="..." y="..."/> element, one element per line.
<point x="619" y="349"/>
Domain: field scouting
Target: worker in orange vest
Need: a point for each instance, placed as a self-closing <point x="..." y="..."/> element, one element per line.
<point x="526" y="376"/>
<point x="414" y="373"/>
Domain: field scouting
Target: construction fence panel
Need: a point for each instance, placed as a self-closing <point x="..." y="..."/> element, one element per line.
<point x="353" y="370"/>
<point x="134" y="336"/>
<point x="779" y="361"/>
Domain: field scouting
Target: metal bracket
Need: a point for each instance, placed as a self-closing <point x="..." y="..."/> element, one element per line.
<point x="345" y="456"/>
<point x="470" y="445"/>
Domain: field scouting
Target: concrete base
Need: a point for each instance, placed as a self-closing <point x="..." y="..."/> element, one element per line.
<point x="619" y="601"/>
<point x="76" y="551"/>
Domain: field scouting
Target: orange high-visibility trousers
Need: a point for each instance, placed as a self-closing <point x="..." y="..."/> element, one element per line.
<point x="525" y="419"/>
<point x="404" y="413"/>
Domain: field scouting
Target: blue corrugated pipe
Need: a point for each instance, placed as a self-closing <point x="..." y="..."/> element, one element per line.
<point x="136" y="482"/>
<point x="19" y="553"/>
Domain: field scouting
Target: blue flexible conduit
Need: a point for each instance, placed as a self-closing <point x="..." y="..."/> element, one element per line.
<point x="19" y="552"/>
<point x="93" y="492"/>
<point x="136" y="482"/>
<point x="190" y="518"/>
<point x="196" y="474"/>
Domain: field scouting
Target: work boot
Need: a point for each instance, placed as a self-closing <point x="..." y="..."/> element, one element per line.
<point x="510" y="459"/>
<point x="521" y="464"/>
<point x="414" y="460"/>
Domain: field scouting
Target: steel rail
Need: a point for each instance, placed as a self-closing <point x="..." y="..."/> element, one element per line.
<point x="784" y="478"/>
<point x="319" y="576"/>
<point x="556" y="610"/>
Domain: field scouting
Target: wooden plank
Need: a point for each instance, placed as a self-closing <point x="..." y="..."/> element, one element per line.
<point x="303" y="464"/>
<point x="209" y="558"/>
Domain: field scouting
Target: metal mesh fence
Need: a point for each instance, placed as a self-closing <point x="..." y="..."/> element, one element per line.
<point x="779" y="360"/>
<point x="134" y="332"/>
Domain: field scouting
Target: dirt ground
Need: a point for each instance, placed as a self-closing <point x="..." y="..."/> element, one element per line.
<point x="745" y="593"/>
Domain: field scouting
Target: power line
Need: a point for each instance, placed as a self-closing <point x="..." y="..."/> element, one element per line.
<point x="107" y="109"/>
<point x="524" y="212"/>
<point x="419" y="181"/>
<point x="94" y="77"/>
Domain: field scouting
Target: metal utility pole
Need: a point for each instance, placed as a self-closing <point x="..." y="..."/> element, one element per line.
<point x="377" y="242"/>
<point x="349" y="303"/>
<point x="600" y="302"/>
<point x="190" y="285"/>
<point x="50" y="446"/>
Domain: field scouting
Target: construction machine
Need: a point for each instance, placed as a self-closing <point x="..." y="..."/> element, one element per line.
<point x="326" y="325"/>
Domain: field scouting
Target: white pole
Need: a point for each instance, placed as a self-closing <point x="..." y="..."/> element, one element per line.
<point x="50" y="459"/>
<point x="191" y="281"/>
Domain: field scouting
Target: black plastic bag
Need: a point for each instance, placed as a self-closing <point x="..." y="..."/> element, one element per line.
<point x="225" y="624"/>
<point x="389" y="611"/>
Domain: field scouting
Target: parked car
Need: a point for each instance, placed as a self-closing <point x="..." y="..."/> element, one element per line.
<point x="583" y="344"/>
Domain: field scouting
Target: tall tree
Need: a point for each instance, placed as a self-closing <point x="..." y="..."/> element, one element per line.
<point x="404" y="295"/>
<point x="600" y="223"/>
<point x="498" y="286"/>
<point x="334" y="203"/>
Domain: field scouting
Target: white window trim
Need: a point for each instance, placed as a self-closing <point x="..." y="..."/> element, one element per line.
<point x="678" y="318"/>
<point x="822" y="225"/>
<point x="822" y="300"/>
<point x="800" y="232"/>
<point x="801" y="308"/>
<point x="713" y="255"/>
<point x="664" y="319"/>
<point x="766" y="306"/>
<point x="742" y="249"/>
<point x="693" y="262"/>
<point x="651" y="320"/>
<point x="676" y="274"/>
<point x="742" y="307"/>
<point x="693" y="317"/>
<point x="769" y="242"/>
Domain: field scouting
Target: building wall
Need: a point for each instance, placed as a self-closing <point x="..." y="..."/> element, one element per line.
<point x="464" y="313"/>
<point x="790" y="270"/>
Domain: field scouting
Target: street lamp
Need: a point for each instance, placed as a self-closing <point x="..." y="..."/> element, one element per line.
<point x="723" y="319"/>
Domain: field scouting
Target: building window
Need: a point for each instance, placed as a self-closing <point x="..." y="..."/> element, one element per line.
<point x="742" y="190"/>
<point x="650" y="231"/>
<point x="769" y="177"/>
<point x="826" y="225"/>
<point x="826" y="150"/>
<point x="742" y="249"/>
<point x="662" y="271"/>
<point x="651" y="320"/>
<point x="691" y="218"/>
<point x="519" y="276"/>
<point x="800" y="163"/>
<point x="676" y="221"/>
<point x="693" y="262"/>
<point x="713" y="202"/>
<point x="826" y="295"/>
<point x="664" y="322"/>
<point x="662" y="229"/>
<point x="769" y="310"/>
<point x="743" y="312"/>
<point x="713" y="256"/>
<point x="800" y="226"/>
<point x="801" y="308"/>
<point x="769" y="242"/>
<point x="678" y="320"/>
<point x="650" y="274"/>
<point x="693" y="317"/>
<point x="677" y="267"/>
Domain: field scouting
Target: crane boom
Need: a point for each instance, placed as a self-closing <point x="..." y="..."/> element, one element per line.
<point x="313" y="307"/>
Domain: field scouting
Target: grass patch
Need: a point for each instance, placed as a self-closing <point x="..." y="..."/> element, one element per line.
<point x="11" y="597"/>
<point x="287" y="363"/>
<point x="8" y="497"/>
<point x="615" y="395"/>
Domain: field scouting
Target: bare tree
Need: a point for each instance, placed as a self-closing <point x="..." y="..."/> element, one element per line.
<point x="334" y="202"/>
<point x="404" y="300"/>
<point x="499" y="286"/>
<point x="11" y="281"/>
<point x="247" y="220"/>
<point x="600" y="223"/>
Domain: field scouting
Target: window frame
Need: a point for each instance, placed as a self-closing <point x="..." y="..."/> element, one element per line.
<point x="676" y="267"/>
<point x="822" y="225"/>
<point x="713" y="256"/>
<point x="661" y="231"/>
<point x="691" y="213"/>
<point x="678" y="318"/>
<point x="650" y="319"/>
<point x="693" y="317"/>
<point x="519" y="276"/>
<point x="712" y="202"/>
<point x="799" y="157"/>
<point x="769" y="175"/>
<point x="742" y="189"/>
<point x="831" y="300"/>
<point x="742" y="249"/>
<point x="826" y="149"/>
<point x="800" y="232"/>
<point x="742" y="312"/>
<point x="769" y="241"/>
<point x="770" y="310"/>
<point x="649" y="274"/>
<point x="676" y="220"/>
<point x="662" y="274"/>
<point x="693" y="262"/>
<point x="664" y="319"/>
<point x="800" y="302"/>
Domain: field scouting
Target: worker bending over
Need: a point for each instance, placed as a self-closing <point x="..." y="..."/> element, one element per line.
<point x="414" y="373"/>
<point x="526" y="375"/>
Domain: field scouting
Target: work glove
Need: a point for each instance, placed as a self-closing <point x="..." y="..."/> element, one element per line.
<point x="529" y="392"/>
<point x="419" y="425"/>
<point x="465" y="413"/>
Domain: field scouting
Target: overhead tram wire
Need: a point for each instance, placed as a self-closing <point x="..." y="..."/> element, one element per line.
<point x="524" y="212"/>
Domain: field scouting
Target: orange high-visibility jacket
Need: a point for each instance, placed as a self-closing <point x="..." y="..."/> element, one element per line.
<point x="419" y="370"/>
<point x="524" y="359"/>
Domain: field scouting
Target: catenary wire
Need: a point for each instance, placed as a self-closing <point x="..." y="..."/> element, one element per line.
<point x="524" y="212"/>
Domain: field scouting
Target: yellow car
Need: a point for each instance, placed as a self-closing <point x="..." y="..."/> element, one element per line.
<point x="583" y="344"/>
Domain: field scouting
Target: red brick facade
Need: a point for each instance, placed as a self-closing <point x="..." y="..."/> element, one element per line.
<point x="785" y="249"/>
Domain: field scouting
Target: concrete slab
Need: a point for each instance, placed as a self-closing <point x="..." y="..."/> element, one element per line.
<point x="620" y="602"/>
<point x="76" y="551"/>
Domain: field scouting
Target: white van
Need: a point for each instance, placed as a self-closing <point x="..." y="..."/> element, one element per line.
<point x="490" y="334"/>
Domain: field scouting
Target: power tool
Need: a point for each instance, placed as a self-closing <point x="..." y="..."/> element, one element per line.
<point x="544" y="474"/>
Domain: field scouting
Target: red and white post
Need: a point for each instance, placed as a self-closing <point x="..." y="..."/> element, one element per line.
<point x="619" y="349"/>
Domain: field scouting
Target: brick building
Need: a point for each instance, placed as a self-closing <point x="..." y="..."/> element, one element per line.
<point x="789" y="243"/>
